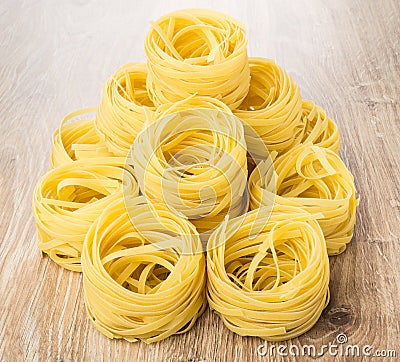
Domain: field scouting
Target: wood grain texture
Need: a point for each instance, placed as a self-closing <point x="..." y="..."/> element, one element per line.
<point x="54" y="58"/>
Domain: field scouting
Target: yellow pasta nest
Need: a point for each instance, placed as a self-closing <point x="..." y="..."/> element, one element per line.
<point x="273" y="105"/>
<point x="197" y="51"/>
<point x="76" y="140"/>
<point x="315" y="179"/>
<point x="141" y="193"/>
<point x="268" y="276"/>
<point x="194" y="161"/>
<point x="125" y="108"/>
<point x="318" y="129"/>
<point x="143" y="280"/>
<point x="69" y="198"/>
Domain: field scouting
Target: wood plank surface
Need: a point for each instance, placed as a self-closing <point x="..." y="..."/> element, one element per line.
<point x="54" y="58"/>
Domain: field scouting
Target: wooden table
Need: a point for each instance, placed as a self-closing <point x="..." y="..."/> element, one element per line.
<point x="54" y="58"/>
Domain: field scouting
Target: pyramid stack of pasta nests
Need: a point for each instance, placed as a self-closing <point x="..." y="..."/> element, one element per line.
<point x="165" y="201"/>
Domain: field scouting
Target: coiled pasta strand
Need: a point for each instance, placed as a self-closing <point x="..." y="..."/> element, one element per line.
<point x="192" y="102"/>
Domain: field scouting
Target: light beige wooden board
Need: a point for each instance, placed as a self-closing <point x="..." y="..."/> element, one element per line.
<point x="54" y="58"/>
